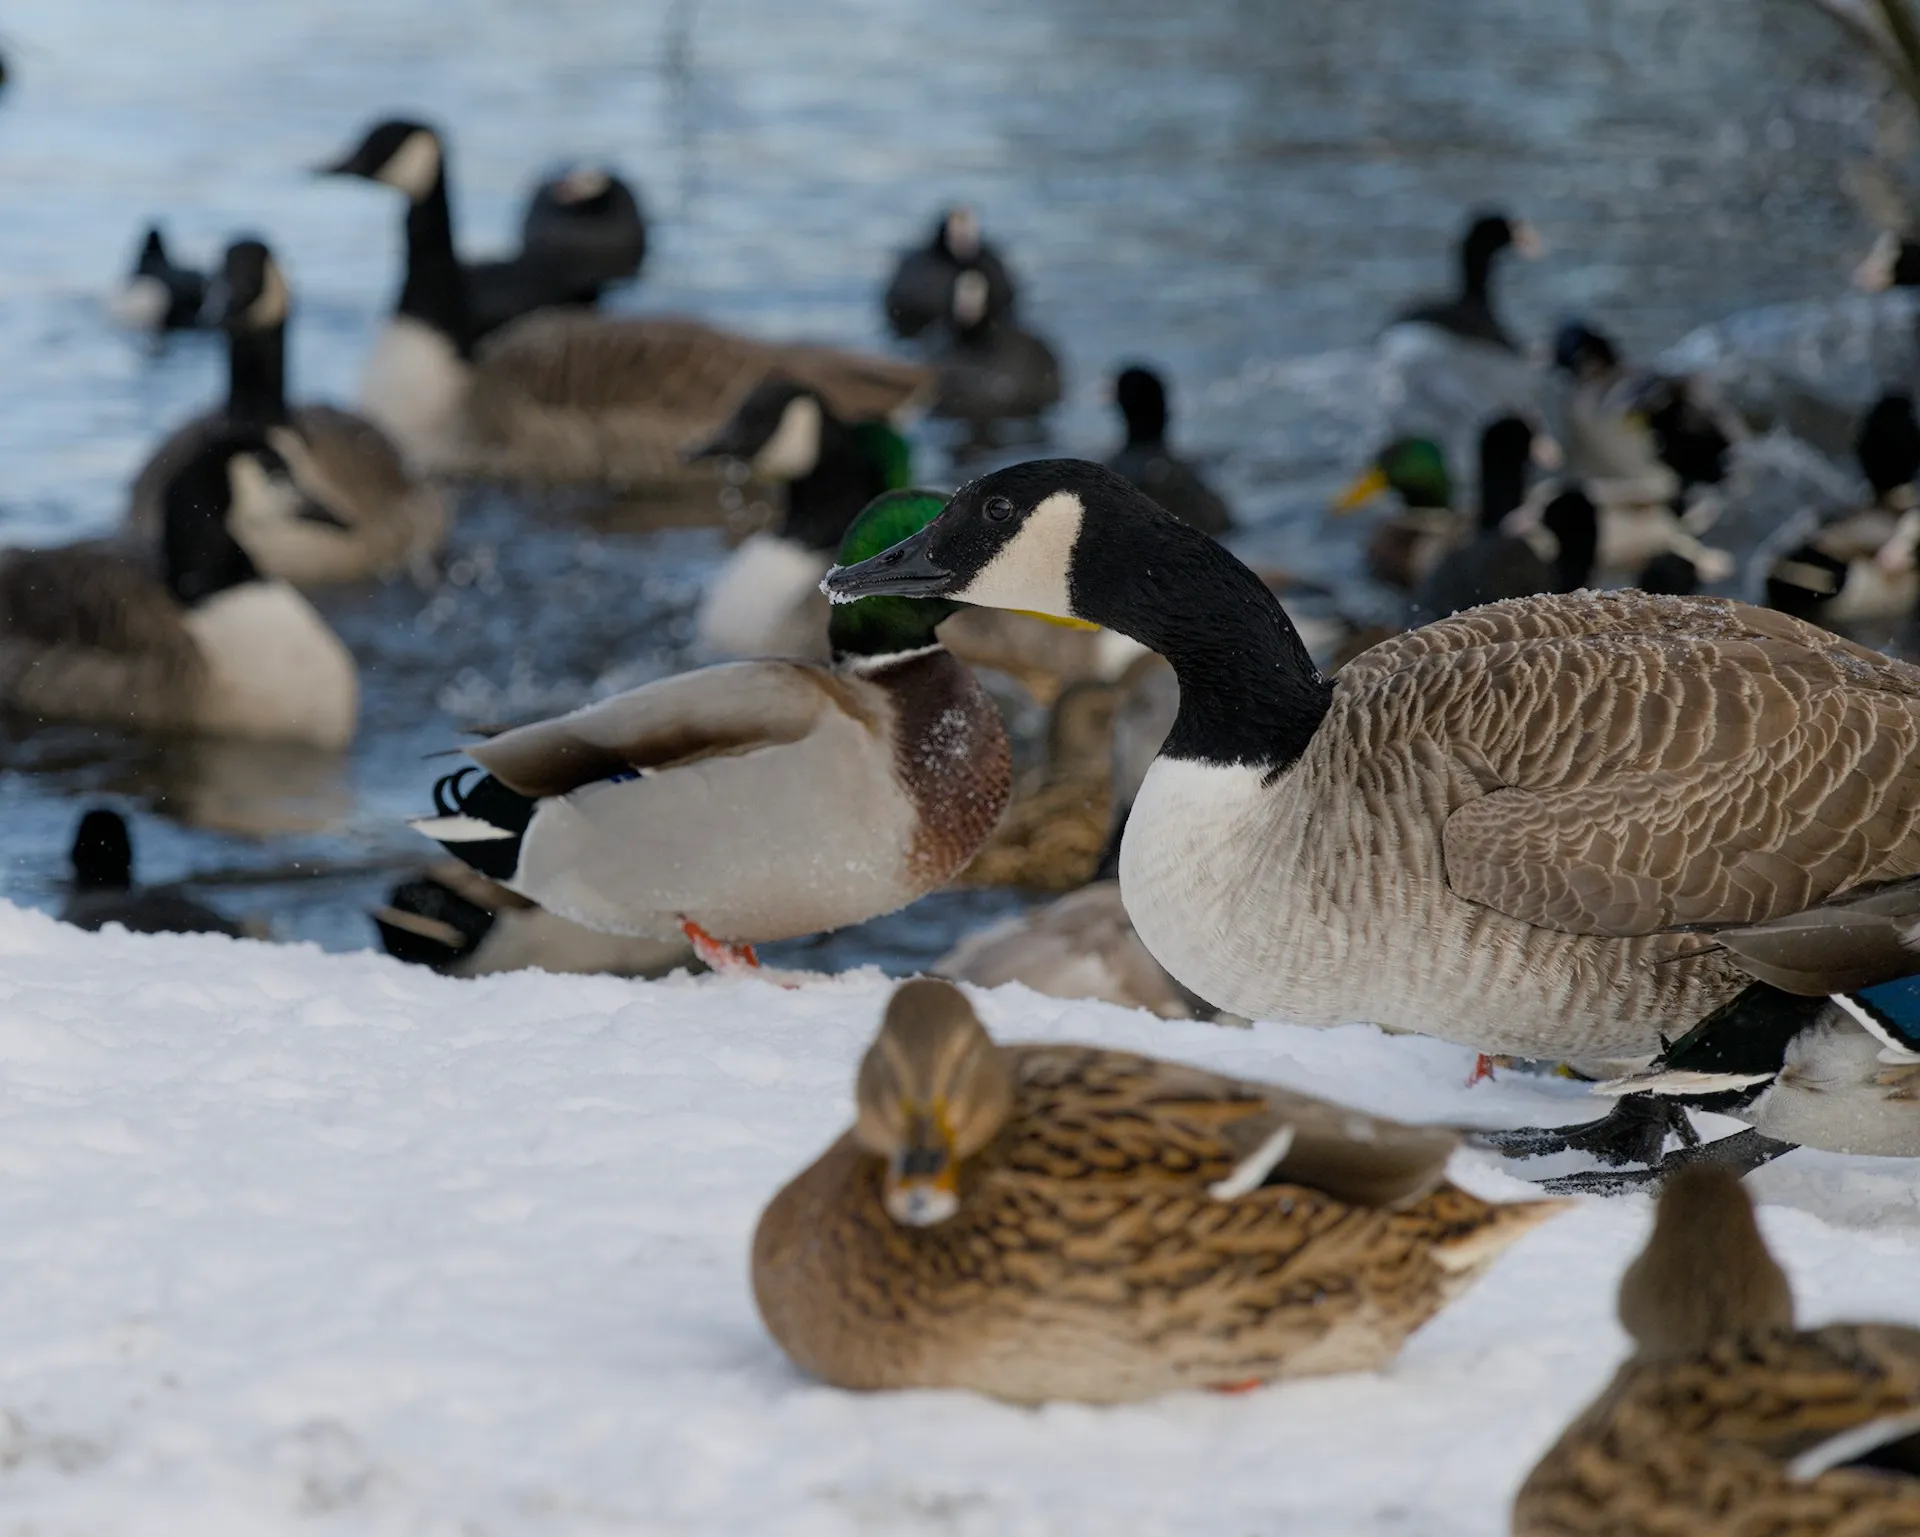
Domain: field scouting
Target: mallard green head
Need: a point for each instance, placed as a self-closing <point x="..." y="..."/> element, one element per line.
<point x="878" y="626"/>
<point x="1415" y="469"/>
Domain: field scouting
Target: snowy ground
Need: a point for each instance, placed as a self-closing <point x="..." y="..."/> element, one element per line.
<point x="299" y="1242"/>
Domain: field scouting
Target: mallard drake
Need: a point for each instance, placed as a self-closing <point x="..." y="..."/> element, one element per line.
<point x="1051" y="835"/>
<point x="102" y="890"/>
<point x="919" y="295"/>
<point x="1404" y="550"/>
<point x="1063" y="1222"/>
<point x="561" y="395"/>
<point x="365" y="514"/>
<point x="752" y="800"/>
<point x="1081" y="945"/>
<point x="766" y="599"/>
<point x="1145" y="460"/>
<point x="1469" y="314"/>
<point x="1726" y="1421"/>
<point x="160" y="294"/>
<point x="461" y="924"/>
<point x="1500" y="562"/>
<point x="90" y="632"/>
<point x="1488" y="829"/>
<point x="1863" y="565"/>
<point x="990" y="369"/>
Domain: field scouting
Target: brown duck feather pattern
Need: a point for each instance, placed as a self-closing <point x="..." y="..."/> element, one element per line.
<point x="1700" y="1447"/>
<point x="1088" y="1259"/>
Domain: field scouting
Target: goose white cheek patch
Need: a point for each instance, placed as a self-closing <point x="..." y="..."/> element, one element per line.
<point x="1030" y="571"/>
<point x="414" y="166"/>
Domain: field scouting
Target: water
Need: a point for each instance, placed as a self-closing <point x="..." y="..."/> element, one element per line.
<point x="1241" y="192"/>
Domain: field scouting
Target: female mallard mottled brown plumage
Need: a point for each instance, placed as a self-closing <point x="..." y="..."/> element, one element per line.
<point x="1726" y="1421"/>
<point x="1062" y="1222"/>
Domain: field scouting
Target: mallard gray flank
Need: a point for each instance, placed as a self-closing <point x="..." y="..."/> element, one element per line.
<point x="1490" y="829"/>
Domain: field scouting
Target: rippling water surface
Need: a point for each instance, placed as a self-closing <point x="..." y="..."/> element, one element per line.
<point x="1239" y="191"/>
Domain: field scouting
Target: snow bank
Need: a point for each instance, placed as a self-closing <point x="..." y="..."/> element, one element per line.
<point x="303" y="1242"/>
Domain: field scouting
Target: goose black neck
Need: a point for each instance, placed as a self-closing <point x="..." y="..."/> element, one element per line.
<point x="1249" y="693"/>
<point x="823" y="504"/>
<point x="1503" y="487"/>
<point x="435" y="291"/>
<point x="1476" y="268"/>
<point x="257" y="376"/>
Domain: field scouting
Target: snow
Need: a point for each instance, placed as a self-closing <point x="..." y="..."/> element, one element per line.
<point x="319" y="1243"/>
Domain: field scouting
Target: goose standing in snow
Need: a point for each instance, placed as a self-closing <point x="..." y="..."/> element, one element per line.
<point x="752" y="800"/>
<point x="366" y="515"/>
<point x="1498" y="829"/>
<point x="766" y="599"/>
<point x="103" y="892"/>
<point x="1726" y="1420"/>
<point x="1146" y="461"/>
<point x="1063" y="1222"/>
<point x="91" y="632"/>
<point x="561" y="395"/>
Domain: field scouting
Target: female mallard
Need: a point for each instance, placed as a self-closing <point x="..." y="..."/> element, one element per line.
<point x="1493" y="829"/>
<point x="367" y="516"/>
<point x="766" y="599"/>
<point x="752" y="800"/>
<point x="1048" y="1222"/>
<point x="1727" y="1421"/>
<point x="563" y="395"/>
<point x="92" y="632"/>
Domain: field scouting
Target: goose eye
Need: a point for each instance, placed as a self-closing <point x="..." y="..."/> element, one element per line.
<point x="998" y="508"/>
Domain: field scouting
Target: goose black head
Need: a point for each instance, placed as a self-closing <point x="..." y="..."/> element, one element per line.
<point x="102" y="853"/>
<point x="776" y="431"/>
<point x="1141" y="396"/>
<point x="399" y="152"/>
<point x="1888" y="445"/>
<point x="249" y="293"/>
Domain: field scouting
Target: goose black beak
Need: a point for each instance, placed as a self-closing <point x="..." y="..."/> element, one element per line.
<point x="905" y="571"/>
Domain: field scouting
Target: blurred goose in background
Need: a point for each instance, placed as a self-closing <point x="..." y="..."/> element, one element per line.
<point x="1862" y="565"/>
<point x="766" y="599"/>
<point x="1726" y="1420"/>
<point x="365" y="515"/>
<point x="1065" y="1222"/>
<point x="1468" y="315"/>
<point x="92" y="632"/>
<point x="1499" y="562"/>
<point x="1894" y="262"/>
<point x="583" y="233"/>
<point x="1404" y="549"/>
<point x="1051" y="834"/>
<point x="990" y="369"/>
<point x="102" y="890"/>
<point x="752" y="800"/>
<point x="919" y="295"/>
<point x="461" y="924"/>
<point x="561" y="395"/>
<point x="160" y="294"/>
<point x="1147" y="462"/>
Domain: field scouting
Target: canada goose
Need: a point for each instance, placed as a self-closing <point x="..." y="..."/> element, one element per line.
<point x="1081" y="945"/>
<point x="1051" y="835"/>
<point x="1145" y="460"/>
<point x="919" y="296"/>
<point x="1501" y="564"/>
<point x="1044" y="1222"/>
<point x="766" y="599"/>
<point x="1469" y="314"/>
<point x="1404" y="550"/>
<point x="561" y="395"/>
<point x="365" y="514"/>
<point x="159" y="294"/>
<point x="1894" y="262"/>
<point x="752" y="800"/>
<point x="102" y="889"/>
<point x="990" y="369"/>
<point x="1488" y="829"/>
<point x="1726" y="1420"/>
<point x="583" y="225"/>
<point x="464" y="925"/>
<point x="90" y="632"/>
<point x="1863" y="566"/>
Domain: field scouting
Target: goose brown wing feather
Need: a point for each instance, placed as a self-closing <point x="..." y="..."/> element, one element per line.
<point x="734" y="708"/>
<point x="1630" y="765"/>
